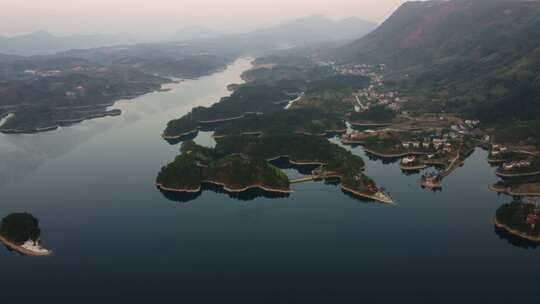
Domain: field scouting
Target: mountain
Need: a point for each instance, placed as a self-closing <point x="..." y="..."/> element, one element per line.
<point x="477" y="57"/>
<point x="431" y="30"/>
<point x="43" y="43"/>
<point x="315" y="29"/>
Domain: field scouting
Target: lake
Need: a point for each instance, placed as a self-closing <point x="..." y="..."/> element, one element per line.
<point x="115" y="236"/>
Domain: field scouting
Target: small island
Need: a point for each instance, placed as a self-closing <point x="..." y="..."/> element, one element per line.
<point x="20" y="232"/>
<point x="198" y="165"/>
<point x="521" y="219"/>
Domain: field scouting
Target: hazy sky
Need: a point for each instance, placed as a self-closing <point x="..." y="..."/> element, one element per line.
<point x="106" y="16"/>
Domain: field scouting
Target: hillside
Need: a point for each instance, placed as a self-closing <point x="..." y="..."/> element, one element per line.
<point x="316" y="28"/>
<point x="476" y="57"/>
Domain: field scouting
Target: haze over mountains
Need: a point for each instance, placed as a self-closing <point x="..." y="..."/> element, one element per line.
<point x="43" y="43"/>
<point x="301" y="31"/>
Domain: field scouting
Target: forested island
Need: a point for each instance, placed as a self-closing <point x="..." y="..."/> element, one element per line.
<point x="20" y="232"/>
<point x="521" y="219"/>
<point x="239" y="163"/>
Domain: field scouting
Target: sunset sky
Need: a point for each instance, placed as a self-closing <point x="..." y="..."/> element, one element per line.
<point x="163" y="16"/>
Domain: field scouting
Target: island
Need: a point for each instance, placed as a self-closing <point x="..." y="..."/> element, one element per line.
<point x="520" y="218"/>
<point x="241" y="162"/>
<point x="20" y="232"/>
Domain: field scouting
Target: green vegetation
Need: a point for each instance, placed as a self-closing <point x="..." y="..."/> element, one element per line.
<point x="533" y="168"/>
<point x="239" y="162"/>
<point x="377" y="114"/>
<point x="509" y="156"/>
<point x="332" y="94"/>
<point x="523" y="218"/>
<point x="19" y="228"/>
<point x="342" y="85"/>
<point x="519" y="132"/>
<point x="190" y="170"/>
<point x="31" y="119"/>
<point x="470" y="57"/>
<point x="299" y="148"/>
<point x="246" y="99"/>
<point x="310" y="121"/>
<point x="62" y="89"/>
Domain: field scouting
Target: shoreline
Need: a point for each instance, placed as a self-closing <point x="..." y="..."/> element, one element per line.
<point x="23" y="250"/>
<point x="509" y="191"/>
<point x="62" y="123"/>
<point x="369" y="124"/>
<point x="206" y="122"/>
<point x="185" y="134"/>
<point x="225" y="187"/>
<point x="516" y="174"/>
<point x="385" y="200"/>
<point x="107" y="113"/>
<point x="298" y="163"/>
<point x="394" y="155"/>
<point x="515" y="232"/>
<point x="412" y="168"/>
<point x="261" y="133"/>
<point x="382" y="198"/>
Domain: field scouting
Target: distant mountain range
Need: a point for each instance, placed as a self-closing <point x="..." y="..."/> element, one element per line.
<point x="316" y="28"/>
<point x="480" y="57"/>
<point x="43" y="43"/>
<point x="297" y="32"/>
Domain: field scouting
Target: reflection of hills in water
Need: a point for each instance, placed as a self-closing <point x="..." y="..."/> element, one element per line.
<point x="187" y="137"/>
<point x="20" y="155"/>
<point x="515" y="240"/>
<point x="248" y="195"/>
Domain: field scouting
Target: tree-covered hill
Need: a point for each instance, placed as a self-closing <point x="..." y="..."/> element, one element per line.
<point x="476" y="57"/>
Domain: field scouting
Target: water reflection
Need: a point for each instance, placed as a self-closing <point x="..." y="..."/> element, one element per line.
<point x="20" y="155"/>
<point x="284" y="163"/>
<point x="515" y="240"/>
<point x="384" y="160"/>
<point x="248" y="195"/>
<point x="187" y="137"/>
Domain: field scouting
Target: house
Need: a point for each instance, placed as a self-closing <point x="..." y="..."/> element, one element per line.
<point x="407" y="160"/>
<point x="516" y="164"/>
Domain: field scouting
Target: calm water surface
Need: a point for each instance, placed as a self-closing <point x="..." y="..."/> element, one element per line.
<point x="116" y="236"/>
